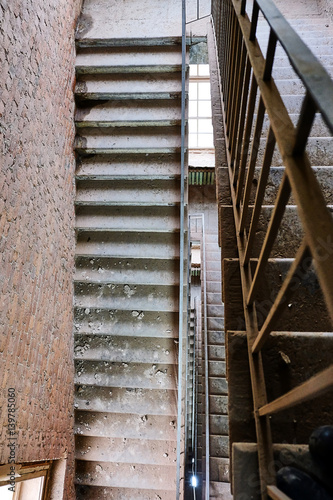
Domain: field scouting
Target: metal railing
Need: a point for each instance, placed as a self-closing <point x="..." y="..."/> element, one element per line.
<point x="181" y="430"/>
<point x="250" y="100"/>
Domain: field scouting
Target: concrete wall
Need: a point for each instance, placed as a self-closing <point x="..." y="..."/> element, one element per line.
<point x="37" y="224"/>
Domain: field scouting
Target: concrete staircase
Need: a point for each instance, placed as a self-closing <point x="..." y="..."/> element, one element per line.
<point x="127" y="268"/>
<point x="218" y="387"/>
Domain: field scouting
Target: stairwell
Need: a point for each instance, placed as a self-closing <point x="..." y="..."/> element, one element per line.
<point x="127" y="267"/>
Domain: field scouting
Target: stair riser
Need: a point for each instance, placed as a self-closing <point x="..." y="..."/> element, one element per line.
<point x="119" y="475"/>
<point x="155" y="427"/>
<point x="169" y="83"/>
<point x="118" y="400"/>
<point x="141" y="323"/>
<point x="134" y="193"/>
<point x="128" y="111"/>
<point x="135" y="375"/>
<point x="123" y="450"/>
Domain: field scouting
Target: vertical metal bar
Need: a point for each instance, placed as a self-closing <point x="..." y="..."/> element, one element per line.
<point x="270" y="56"/>
<point x="245" y="94"/>
<point x="235" y="63"/>
<point x="181" y="256"/>
<point x="304" y="125"/>
<point x="252" y="164"/>
<point x="254" y="21"/>
<point x="246" y="140"/>
<point x="239" y="89"/>
<point x="236" y="82"/>
<point x="270" y="146"/>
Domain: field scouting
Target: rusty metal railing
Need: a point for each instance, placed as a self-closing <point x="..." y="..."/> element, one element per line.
<point x="252" y="102"/>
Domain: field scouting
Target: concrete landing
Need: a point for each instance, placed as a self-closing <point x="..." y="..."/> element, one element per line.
<point x="130" y="19"/>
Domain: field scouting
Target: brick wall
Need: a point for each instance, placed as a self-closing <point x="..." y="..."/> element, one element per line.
<point x="36" y="224"/>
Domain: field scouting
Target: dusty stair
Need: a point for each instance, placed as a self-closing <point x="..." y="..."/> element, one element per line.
<point x="127" y="268"/>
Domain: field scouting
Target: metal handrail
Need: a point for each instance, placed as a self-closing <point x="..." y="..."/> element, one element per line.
<point x="180" y="409"/>
<point x="242" y="61"/>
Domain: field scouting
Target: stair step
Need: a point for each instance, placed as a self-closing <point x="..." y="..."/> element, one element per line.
<point x="131" y="113"/>
<point x="219" y="469"/>
<point x="138" y="476"/>
<point x="214" y="287"/>
<point x="122" y="192"/>
<point x="150" y="427"/>
<point x="216" y="368"/>
<point x="215" y="337"/>
<point x="129" y="297"/>
<point x="216" y="352"/>
<point x="219" y="446"/>
<point x="220" y="490"/>
<point x="87" y="492"/>
<point x="139" y="86"/>
<point x="215" y="324"/>
<point x="121" y="323"/>
<point x="306" y="309"/>
<point x="106" y="167"/>
<point x="125" y="450"/>
<point x="218" y="405"/>
<point x="283" y="61"/>
<point x="214" y="298"/>
<point x="129" y="349"/>
<point x="124" y="217"/>
<point x="128" y="244"/>
<point x="128" y="271"/>
<point x="126" y="400"/>
<point x="286" y="73"/>
<point x="127" y="42"/>
<point x="124" y="141"/>
<point x="219" y="424"/>
<point x="125" y="59"/>
<point x="125" y="374"/>
<point x="218" y="386"/>
<point x="324" y="176"/>
<point x="320" y="152"/>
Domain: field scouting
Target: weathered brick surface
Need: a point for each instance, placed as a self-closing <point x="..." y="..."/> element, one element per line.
<point x="36" y="223"/>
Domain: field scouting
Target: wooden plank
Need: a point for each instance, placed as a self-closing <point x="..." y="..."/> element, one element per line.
<point x="315" y="386"/>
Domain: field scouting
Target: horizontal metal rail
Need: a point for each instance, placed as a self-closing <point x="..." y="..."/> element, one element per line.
<point x="251" y="99"/>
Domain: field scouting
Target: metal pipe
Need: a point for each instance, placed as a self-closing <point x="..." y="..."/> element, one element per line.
<point x="181" y="255"/>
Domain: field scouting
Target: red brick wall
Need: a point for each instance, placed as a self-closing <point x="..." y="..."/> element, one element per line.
<point x="37" y="224"/>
